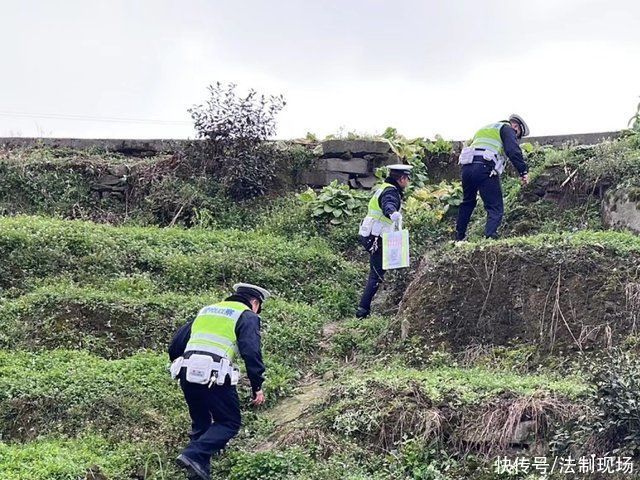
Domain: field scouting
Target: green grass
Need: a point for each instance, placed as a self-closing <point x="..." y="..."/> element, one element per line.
<point x="73" y="458"/>
<point x="69" y="392"/>
<point x="125" y="316"/>
<point x="187" y="261"/>
<point x="615" y="242"/>
<point x="470" y="385"/>
<point x="466" y="385"/>
<point x="385" y="407"/>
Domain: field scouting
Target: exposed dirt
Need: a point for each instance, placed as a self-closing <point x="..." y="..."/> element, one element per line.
<point x="560" y="298"/>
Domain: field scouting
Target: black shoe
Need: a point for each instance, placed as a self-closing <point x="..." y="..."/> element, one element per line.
<point x="362" y="312"/>
<point x="193" y="468"/>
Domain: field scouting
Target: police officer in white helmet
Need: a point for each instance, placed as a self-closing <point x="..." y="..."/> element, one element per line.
<point x="483" y="162"/>
<point x="383" y="215"/>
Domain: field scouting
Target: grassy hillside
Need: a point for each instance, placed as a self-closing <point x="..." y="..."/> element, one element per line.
<point x="469" y="369"/>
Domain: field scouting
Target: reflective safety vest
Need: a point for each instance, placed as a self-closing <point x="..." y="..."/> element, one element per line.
<point x="214" y="330"/>
<point x="376" y="223"/>
<point x="488" y="139"/>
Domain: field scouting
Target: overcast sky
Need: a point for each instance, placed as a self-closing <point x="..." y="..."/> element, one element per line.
<point x="130" y="69"/>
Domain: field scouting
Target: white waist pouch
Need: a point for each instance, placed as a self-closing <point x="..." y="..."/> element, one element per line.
<point x="199" y="369"/>
<point x="175" y="367"/>
<point x="365" y="227"/>
<point x="235" y="376"/>
<point x="466" y="156"/>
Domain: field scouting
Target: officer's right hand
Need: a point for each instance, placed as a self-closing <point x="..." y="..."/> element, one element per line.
<point x="258" y="398"/>
<point x="524" y="179"/>
<point x="396" y="217"/>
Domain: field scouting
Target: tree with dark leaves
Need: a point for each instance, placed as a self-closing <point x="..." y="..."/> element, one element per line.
<point x="234" y="130"/>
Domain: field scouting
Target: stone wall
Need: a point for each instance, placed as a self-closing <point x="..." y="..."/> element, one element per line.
<point x="621" y="208"/>
<point x="348" y="161"/>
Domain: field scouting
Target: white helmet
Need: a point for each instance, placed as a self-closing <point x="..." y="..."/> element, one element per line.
<point x="523" y="126"/>
<point x="255" y="291"/>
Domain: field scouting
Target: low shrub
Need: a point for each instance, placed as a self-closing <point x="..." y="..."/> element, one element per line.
<point x="611" y="425"/>
<point x="183" y="261"/>
<point x="87" y="456"/>
<point x="273" y="465"/>
<point x="73" y="391"/>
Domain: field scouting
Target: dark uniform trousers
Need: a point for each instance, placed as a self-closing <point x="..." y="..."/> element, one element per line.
<point x="215" y="418"/>
<point x="376" y="273"/>
<point x="476" y="177"/>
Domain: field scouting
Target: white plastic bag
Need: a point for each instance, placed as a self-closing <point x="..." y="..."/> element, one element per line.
<point x="395" y="250"/>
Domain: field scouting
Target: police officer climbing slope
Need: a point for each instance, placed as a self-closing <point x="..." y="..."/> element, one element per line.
<point x="383" y="216"/>
<point x="482" y="164"/>
<point x="204" y="355"/>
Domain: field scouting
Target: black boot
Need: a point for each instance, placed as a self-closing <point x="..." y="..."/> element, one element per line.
<point x="194" y="469"/>
<point x="362" y="312"/>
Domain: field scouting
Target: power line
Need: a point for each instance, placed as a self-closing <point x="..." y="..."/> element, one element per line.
<point x="89" y="118"/>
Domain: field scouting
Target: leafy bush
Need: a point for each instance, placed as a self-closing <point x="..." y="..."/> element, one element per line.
<point x="273" y="465"/>
<point x="411" y="151"/>
<point x="611" y="423"/>
<point x="334" y="203"/>
<point x="235" y="129"/>
<point x="439" y="147"/>
<point x="438" y="198"/>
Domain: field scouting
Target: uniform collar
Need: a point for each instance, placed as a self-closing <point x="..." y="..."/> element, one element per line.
<point x="240" y="299"/>
<point x="394" y="182"/>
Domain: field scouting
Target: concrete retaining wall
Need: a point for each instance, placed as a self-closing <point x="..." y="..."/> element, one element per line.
<point x="348" y="161"/>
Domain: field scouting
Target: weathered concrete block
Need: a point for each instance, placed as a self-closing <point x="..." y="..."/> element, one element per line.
<point x="379" y="159"/>
<point x="355" y="165"/>
<point x="621" y="209"/>
<point x="366" y="183"/>
<point x="322" y="178"/>
<point x="338" y="147"/>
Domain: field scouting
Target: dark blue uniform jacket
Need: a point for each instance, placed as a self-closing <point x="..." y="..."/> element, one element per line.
<point x="512" y="149"/>
<point x="391" y="198"/>
<point x="248" y="338"/>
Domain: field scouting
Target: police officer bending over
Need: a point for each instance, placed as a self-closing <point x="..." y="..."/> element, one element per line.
<point x="383" y="215"/>
<point x="204" y="355"/>
<point x="482" y="164"/>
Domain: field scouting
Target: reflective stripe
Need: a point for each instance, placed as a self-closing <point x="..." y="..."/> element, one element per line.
<point x="488" y="141"/>
<point x="380" y="217"/>
<point x="375" y="222"/>
<point x="213" y="338"/>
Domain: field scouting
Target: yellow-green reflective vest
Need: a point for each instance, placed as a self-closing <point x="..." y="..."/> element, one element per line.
<point x="488" y="138"/>
<point x="214" y="330"/>
<point x="375" y="223"/>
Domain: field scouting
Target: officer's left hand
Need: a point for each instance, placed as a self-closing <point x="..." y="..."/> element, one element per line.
<point x="524" y="179"/>
<point x="258" y="399"/>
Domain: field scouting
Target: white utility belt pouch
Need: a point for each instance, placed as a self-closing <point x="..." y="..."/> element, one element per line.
<point x="365" y="227"/>
<point x="466" y="156"/>
<point x="201" y="369"/>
